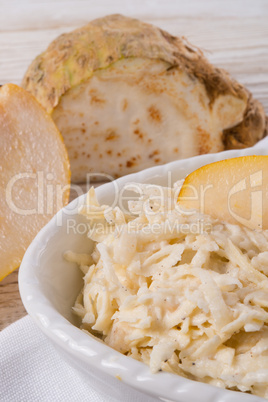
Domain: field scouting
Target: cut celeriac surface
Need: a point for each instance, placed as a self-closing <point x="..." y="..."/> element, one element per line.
<point x="127" y="95"/>
<point x="34" y="173"/>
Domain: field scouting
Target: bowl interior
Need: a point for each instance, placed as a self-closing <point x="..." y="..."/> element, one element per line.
<point x="60" y="281"/>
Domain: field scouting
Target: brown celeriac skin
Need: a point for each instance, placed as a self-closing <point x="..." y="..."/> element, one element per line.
<point x="127" y="95"/>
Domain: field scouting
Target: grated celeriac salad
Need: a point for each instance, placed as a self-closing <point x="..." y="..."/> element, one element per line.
<point x="179" y="291"/>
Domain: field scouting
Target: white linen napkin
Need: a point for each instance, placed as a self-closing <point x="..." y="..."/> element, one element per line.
<point x="31" y="370"/>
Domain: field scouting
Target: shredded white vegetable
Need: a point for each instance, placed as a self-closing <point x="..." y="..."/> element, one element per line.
<point x="181" y="292"/>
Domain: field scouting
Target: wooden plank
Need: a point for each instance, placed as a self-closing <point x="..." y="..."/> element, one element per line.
<point x="11" y="307"/>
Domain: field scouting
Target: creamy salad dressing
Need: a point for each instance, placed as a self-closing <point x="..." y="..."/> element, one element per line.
<point x="179" y="291"/>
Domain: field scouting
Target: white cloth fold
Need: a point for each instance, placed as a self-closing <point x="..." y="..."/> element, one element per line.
<point x="31" y="370"/>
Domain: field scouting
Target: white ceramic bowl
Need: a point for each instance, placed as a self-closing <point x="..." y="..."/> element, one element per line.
<point x="49" y="285"/>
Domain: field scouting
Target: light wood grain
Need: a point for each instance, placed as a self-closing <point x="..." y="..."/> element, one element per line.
<point x="232" y="33"/>
<point x="11" y="307"/>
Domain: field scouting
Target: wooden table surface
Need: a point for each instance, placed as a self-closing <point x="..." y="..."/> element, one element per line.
<point x="233" y="33"/>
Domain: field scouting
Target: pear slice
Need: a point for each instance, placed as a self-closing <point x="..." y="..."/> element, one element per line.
<point x="233" y="190"/>
<point x="34" y="173"/>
